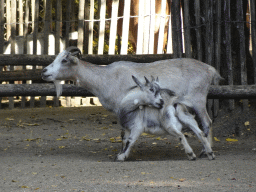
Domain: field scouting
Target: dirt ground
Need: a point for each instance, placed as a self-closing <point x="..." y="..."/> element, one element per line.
<point x="72" y="149"/>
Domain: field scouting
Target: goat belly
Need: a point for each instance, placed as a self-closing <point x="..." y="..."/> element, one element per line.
<point x="127" y="118"/>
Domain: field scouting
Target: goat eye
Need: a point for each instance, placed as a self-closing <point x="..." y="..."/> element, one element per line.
<point x="64" y="61"/>
<point x="152" y="90"/>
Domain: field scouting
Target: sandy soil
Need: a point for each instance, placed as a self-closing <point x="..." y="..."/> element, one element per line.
<point x="72" y="149"/>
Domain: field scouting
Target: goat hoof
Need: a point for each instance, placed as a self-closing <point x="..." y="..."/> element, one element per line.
<point x="120" y="158"/>
<point x="191" y="156"/>
<point x="211" y="156"/>
<point x="202" y="154"/>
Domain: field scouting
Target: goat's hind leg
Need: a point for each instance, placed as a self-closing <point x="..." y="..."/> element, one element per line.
<point x="189" y="121"/>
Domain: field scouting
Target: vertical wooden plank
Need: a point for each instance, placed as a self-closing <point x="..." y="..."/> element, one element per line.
<point x="91" y="18"/>
<point x="35" y="24"/>
<point x="1" y="26"/>
<point x="253" y="35"/>
<point x="161" y="28"/>
<point x="176" y="31"/>
<point x="26" y="19"/>
<point x="1" y="36"/>
<point x="21" y="21"/>
<point x="187" y="29"/>
<point x="146" y="27"/>
<point x="139" y="47"/>
<point x="68" y="18"/>
<point x="86" y="26"/>
<point x="217" y="49"/>
<point x="13" y="25"/>
<point x="102" y="27"/>
<point x="113" y="28"/>
<point x="242" y="55"/>
<point x="8" y="19"/>
<point x="25" y="32"/>
<point x="80" y="39"/>
<point x="47" y="18"/>
<point x="228" y="47"/>
<point x="47" y="27"/>
<point x="13" y="41"/>
<point x="125" y="28"/>
<point x="198" y="30"/>
<point x="209" y="45"/>
<point x="152" y="26"/>
<point x="58" y="26"/>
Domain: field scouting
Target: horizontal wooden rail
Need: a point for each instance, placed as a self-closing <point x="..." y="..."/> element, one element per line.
<point x="44" y="60"/>
<point x="48" y="89"/>
<point x="21" y="75"/>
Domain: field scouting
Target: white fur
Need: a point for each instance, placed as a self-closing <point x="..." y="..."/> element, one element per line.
<point x="168" y="120"/>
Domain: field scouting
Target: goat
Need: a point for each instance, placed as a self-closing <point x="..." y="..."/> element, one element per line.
<point x="168" y="119"/>
<point x="111" y="83"/>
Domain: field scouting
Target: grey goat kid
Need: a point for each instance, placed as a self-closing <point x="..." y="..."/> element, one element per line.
<point x="168" y="119"/>
<point x="111" y="83"/>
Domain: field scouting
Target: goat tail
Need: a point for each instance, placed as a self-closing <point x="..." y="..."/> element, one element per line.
<point x="58" y="87"/>
<point x="216" y="78"/>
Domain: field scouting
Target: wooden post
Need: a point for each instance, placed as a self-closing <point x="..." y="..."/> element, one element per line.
<point x="146" y="27"/>
<point x="81" y="25"/>
<point x="198" y="31"/>
<point x="242" y="58"/>
<point x="125" y="28"/>
<point x="86" y="26"/>
<point x="102" y="27"/>
<point x="1" y="36"/>
<point x="177" y="38"/>
<point x="217" y="50"/>
<point x="161" y="28"/>
<point x="187" y="29"/>
<point x="209" y="45"/>
<point x="58" y="24"/>
<point x="152" y="26"/>
<point x="1" y="26"/>
<point x="91" y="18"/>
<point x="228" y="47"/>
<point x="139" y="47"/>
<point x="113" y="28"/>
<point x="253" y="34"/>
<point x="13" y="41"/>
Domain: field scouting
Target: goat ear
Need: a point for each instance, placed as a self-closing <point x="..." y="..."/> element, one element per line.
<point x="72" y="59"/>
<point x="137" y="81"/>
<point x="147" y="81"/>
<point x="153" y="78"/>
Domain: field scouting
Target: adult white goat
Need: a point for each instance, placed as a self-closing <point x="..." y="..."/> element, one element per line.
<point x="168" y="119"/>
<point x="111" y="83"/>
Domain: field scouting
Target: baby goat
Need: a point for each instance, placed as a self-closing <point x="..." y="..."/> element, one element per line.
<point x="167" y="116"/>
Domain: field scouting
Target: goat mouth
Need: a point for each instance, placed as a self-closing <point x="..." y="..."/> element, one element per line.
<point x="44" y="77"/>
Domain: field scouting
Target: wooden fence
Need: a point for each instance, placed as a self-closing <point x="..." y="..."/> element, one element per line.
<point x="220" y="33"/>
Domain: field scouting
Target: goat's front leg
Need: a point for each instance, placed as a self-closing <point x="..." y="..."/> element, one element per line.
<point x="130" y="138"/>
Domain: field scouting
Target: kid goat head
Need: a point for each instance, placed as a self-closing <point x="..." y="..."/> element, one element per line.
<point x="150" y="93"/>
